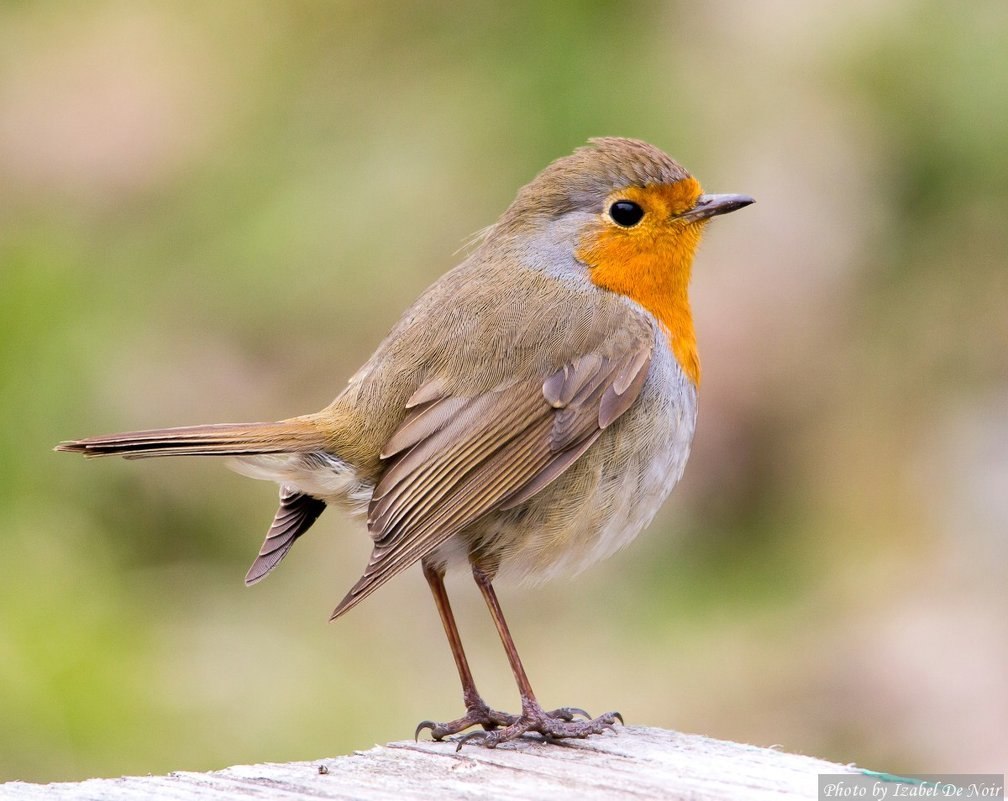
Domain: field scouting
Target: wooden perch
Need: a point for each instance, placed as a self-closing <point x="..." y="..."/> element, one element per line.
<point x="641" y="763"/>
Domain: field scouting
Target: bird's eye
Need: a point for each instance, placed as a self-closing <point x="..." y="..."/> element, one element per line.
<point x="626" y="213"/>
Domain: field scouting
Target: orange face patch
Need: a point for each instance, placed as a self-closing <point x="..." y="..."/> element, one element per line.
<point x="662" y="200"/>
<point x="651" y="262"/>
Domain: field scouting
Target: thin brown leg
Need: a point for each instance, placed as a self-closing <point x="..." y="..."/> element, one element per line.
<point x="483" y="580"/>
<point x="477" y="711"/>
<point x="551" y="725"/>
<point x="435" y="578"/>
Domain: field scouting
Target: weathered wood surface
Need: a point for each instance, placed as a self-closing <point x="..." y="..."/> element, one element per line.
<point x="636" y="763"/>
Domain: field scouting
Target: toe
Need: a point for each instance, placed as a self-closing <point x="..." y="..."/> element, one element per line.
<point x="484" y="738"/>
<point x="568" y="713"/>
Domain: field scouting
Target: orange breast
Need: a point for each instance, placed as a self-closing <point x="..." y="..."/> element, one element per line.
<point x="651" y="262"/>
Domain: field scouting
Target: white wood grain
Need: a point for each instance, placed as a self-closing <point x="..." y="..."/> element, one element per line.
<point x="635" y="763"/>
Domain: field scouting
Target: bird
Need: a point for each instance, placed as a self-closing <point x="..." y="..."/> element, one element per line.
<point x="524" y="418"/>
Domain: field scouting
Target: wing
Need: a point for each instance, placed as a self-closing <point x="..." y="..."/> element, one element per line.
<point x="454" y="459"/>
<point x="295" y="516"/>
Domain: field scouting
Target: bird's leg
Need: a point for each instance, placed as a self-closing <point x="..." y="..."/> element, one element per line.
<point x="477" y="711"/>
<point x="557" y="724"/>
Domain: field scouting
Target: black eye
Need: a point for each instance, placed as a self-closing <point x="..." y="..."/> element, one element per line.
<point x="626" y="213"/>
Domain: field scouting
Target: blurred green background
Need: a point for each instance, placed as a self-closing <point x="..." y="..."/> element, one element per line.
<point x="214" y="211"/>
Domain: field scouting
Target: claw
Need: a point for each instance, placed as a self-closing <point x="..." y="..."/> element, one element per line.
<point x="424" y="724"/>
<point x="476" y="735"/>
<point x="567" y="713"/>
<point x="618" y="717"/>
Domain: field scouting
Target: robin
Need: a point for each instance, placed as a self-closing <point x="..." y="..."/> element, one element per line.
<point x="525" y="417"/>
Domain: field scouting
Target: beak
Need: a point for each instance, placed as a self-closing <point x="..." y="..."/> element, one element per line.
<point x="708" y="206"/>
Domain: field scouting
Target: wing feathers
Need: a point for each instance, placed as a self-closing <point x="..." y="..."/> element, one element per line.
<point x="454" y="459"/>
<point x="454" y="449"/>
<point x="550" y="472"/>
<point x="422" y="421"/>
<point x="620" y="395"/>
<point x="562" y="387"/>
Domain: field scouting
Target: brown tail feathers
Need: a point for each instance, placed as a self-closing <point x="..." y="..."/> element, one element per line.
<point x="224" y="439"/>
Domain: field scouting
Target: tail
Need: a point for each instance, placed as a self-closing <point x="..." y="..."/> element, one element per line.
<point x="299" y="434"/>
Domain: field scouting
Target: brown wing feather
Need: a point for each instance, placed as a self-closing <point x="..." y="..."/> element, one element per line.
<point x="455" y="459"/>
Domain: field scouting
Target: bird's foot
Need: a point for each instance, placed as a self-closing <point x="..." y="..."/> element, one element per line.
<point x="556" y="725"/>
<point x="477" y="714"/>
